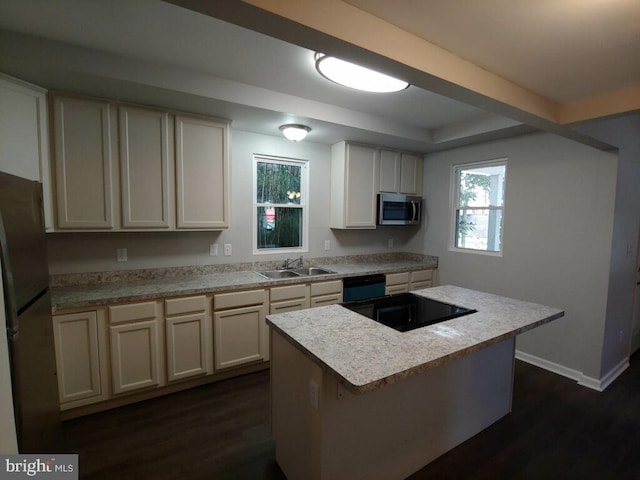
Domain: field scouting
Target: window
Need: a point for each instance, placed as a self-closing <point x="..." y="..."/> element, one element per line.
<point x="478" y="206"/>
<point x="280" y="205"/>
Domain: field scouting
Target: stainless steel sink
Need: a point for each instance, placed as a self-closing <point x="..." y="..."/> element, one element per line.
<point x="276" y="274"/>
<point x="298" y="272"/>
<point x="313" y="271"/>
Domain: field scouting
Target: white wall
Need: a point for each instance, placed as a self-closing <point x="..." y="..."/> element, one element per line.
<point x="91" y="252"/>
<point x="624" y="132"/>
<point x="557" y="239"/>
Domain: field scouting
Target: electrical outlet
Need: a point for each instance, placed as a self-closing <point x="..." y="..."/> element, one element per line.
<point x="327" y="244"/>
<point x="314" y="393"/>
<point x="121" y="254"/>
<point x="227" y="249"/>
<point x="213" y="250"/>
<point x="390" y="243"/>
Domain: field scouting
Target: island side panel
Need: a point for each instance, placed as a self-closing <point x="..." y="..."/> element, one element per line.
<point x="392" y="432"/>
<point x="388" y="433"/>
<point x="295" y="423"/>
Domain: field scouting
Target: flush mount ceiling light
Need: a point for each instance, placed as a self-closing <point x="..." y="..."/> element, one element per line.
<point x="354" y="76"/>
<point x="295" y="132"/>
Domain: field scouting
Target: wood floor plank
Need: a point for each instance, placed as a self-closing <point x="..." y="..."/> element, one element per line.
<point x="557" y="429"/>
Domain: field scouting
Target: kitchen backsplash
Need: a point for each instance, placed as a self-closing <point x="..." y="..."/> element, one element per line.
<point x="76" y="279"/>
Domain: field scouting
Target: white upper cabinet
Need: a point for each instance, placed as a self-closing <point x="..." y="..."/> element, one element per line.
<point x="24" y="137"/>
<point x="354" y="185"/>
<point x="144" y="168"/>
<point x="83" y="163"/>
<point x="141" y="169"/>
<point x="389" y="171"/>
<point x="400" y="172"/>
<point x="202" y="173"/>
<point x="411" y="174"/>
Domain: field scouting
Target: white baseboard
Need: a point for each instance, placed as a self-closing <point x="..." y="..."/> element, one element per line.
<point x="547" y="365"/>
<point x="585" y="381"/>
<point x="607" y="379"/>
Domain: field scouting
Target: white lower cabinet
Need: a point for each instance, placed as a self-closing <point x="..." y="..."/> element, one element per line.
<point x="289" y="298"/>
<point x="326" y="293"/>
<point x="112" y="351"/>
<point x="240" y="328"/>
<point x="396" y="283"/>
<point x="81" y="361"/>
<point x="136" y="347"/>
<point x="407" y="281"/>
<point x="421" y="279"/>
<point x="188" y="338"/>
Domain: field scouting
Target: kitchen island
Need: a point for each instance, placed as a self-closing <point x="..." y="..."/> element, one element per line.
<point x="354" y="399"/>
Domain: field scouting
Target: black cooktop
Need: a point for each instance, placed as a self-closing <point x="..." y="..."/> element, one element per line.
<point x="406" y="311"/>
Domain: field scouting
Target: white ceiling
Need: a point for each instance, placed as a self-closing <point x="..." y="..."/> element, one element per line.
<point x="154" y="52"/>
<point x="158" y="53"/>
<point x="564" y="50"/>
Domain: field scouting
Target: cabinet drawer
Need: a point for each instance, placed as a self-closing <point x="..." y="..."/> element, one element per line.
<point x="239" y="299"/>
<point x="133" y="312"/>
<point x="289" y="305"/>
<point x="401" y="288"/>
<point x="322" y="300"/>
<point x="421" y="275"/>
<point x="289" y="292"/>
<point x="326" y="288"/>
<point x="419" y="285"/>
<point x="397" y="278"/>
<point x="177" y="306"/>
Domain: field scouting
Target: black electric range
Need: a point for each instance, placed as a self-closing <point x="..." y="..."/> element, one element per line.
<point x="406" y="311"/>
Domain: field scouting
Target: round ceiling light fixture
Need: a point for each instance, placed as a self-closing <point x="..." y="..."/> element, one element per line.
<point x="294" y="132"/>
<point x="354" y="76"/>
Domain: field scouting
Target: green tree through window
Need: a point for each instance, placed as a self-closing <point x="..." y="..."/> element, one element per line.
<point x="479" y="206"/>
<point x="280" y="203"/>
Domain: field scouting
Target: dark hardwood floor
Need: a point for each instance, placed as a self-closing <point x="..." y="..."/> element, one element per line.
<point x="557" y="430"/>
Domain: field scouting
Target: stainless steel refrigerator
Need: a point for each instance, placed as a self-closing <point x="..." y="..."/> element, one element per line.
<point x="28" y="316"/>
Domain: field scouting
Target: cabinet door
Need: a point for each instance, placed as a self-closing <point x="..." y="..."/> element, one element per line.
<point x="187" y="346"/>
<point x="77" y="341"/>
<point x="144" y="168"/>
<point x="83" y="163"/>
<point x="361" y="176"/>
<point x="389" y="171"/>
<point x="240" y="336"/>
<point x="134" y="356"/>
<point x="24" y="138"/>
<point x="202" y="173"/>
<point x="411" y="174"/>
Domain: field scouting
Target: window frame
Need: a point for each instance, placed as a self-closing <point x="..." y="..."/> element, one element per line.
<point x="303" y="205"/>
<point x="455" y="206"/>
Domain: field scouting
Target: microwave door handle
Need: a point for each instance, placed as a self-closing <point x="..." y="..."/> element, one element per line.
<point x="415" y="212"/>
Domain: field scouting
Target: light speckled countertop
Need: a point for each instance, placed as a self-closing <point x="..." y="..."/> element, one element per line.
<point x="366" y="355"/>
<point x="104" y="293"/>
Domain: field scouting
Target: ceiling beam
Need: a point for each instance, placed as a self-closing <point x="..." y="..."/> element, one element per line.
<point x="337" y="28"/>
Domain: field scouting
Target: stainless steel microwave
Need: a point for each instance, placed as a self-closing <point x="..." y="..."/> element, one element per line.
<point x="396" y="209"/>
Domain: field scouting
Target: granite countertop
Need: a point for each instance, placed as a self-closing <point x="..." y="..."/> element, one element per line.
<point x="104" y="293"/>
<point x="366" y="355"/>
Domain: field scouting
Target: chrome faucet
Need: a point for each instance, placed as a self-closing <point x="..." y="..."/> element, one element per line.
<point x="292" y="263"/>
